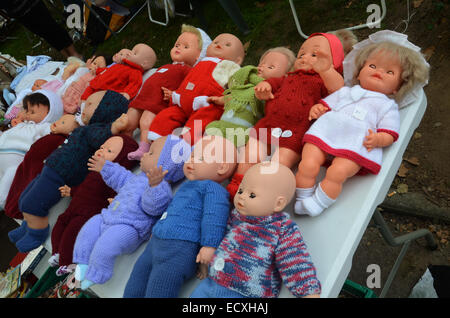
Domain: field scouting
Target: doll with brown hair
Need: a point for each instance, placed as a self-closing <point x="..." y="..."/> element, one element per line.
<point x="193" y="225"/>
<point x="34" y="159"/>
<point x="355" y="123"/>
<point x="126" y="77"/>
<point x="128" y="220"/>
<point x="241" y="108"/>
<point x="317" y="73"/>
<point x="274" y="248"/>
<point x="187" y="50"/>
<point x="72" y="95"/>
<point x="189" y="105"/>
<point x="67" y="165"/>
<point x="87" y="200"/>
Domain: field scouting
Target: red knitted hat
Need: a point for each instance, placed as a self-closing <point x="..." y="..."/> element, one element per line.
<point x="337" y="50"/>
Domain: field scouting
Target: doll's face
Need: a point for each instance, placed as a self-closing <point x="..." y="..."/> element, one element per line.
<point x="261" y="194"/>
<point x="38" y="84"/>
<point x="98" y="62"/>
<point x="122" y="54"/>
<point x="91" y="105"/>
<point x="142" y="55"/>
<point x="36" y="113"/>
<point x="227" y="47"/>
<point x="65" y="125"/>
<point x="381" y="73"/>
<point x="186" y="49"/>
<point x="150" y="159"/>
<point x="213" y="158"/>
<point x="274" y="64"/>
<point x="110" y="149"/>
<point x="308" y="53"/>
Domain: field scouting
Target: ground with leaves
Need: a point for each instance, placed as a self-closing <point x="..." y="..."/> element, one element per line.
<point x="425" y="170"/>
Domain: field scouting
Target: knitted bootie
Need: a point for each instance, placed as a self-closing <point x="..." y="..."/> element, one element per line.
<point x="85" y="284"/>
<point x="18" y="233"/>
<point x="233" y="186"/>
<point x="319" y="201"/>
<point x="137" y="155"/>
<point x="80" y="271"/>
<point x="32" y="239"/>
<point x="53" y="261"/>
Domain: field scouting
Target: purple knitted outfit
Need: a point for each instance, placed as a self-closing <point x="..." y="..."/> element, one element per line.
<point x="127" y="222"/>
<point x="259" y="253"/>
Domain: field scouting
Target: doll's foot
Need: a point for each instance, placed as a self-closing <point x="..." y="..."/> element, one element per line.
<point x="85" y="284"/>
<point x="80" y="271"/>
<point x="54" y="261"/>
<point x="319" y="201"/>
<point x="16" y="234"/>
<point x="300" y="195"/>
<point x="32" y="239"/>
<point x="299" y="209"/>
<point x="137" y="155"/>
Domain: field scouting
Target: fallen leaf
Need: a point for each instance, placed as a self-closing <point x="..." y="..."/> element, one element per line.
<point x="417" y="3"/>
<point x="348" y="4"/>
<point x="417" y="135"/>
<point x="438" y="124"/>
<point x="413" y="160"/>
<point x="247" y="45"/>
<point x="260" y="4"/>
<point x="402" y="188"/>
<point x="402" y="171"/>
<point x="428" y="52"/>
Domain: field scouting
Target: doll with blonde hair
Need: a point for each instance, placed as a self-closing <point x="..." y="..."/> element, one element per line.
<point x="355" y="123"/>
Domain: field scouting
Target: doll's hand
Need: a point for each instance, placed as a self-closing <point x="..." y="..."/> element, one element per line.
<point x="110" y="200"/>
<point x="218" y="100"/>
<point x="205" y="255"/>
<point x="125" y="95"/>
<point x="263" y="91"/>
<point x="65" y="191"/>
<point x="167" y="93"/>
<point x="371" y="141"/>
<point x="323" y="63"/>
<point x="155" y="176"/>
<point x="316" y="111"/>
<point x="96" y="163"/>
<point x="119" y="124"/>
<point x="202" y="271"/>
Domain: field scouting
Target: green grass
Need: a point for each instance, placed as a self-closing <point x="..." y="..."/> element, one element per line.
<point x="271" y="23"/>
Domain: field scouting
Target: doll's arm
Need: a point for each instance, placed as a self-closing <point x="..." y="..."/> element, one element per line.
<point x="387" y="129"/>
<point x="332" y="79"/>
<point x="114" y="175"/>
<point x="216" y="208"/>
<point x="134" y="83"/>
<point x="155" y="200"/>
<point x="294" y="262"/>
<point x="218" y="100"/>
<point x="317" y="110"/>
<point x="377" y="140"/>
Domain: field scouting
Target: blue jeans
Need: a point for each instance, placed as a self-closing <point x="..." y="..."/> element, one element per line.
<point x="210" y="289"/>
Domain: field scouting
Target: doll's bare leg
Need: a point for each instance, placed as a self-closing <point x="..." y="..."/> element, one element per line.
<point x="340" y="170"/>
<point x="35" y="222"/>
<point x="312" y="158"/>
<point x="286" y="157"/>
<point x="134" y="116"/>
<point x="144" y="145"/>
<point x="308" y="169"/>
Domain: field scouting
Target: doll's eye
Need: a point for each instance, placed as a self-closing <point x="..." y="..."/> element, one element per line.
<point x="252" y="195"/>
<point x="372" y="66"/>
<point x="62" y="123"/>
<point x="240" y="191"/>
<point x="390" y="72"/>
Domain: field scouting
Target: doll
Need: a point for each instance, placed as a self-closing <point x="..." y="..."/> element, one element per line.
<point x="33" y="161"/>
<point x="120" y="56"/>
<point x="242" y="110"/>
<point x="127" y="222"/>
<point x="274" y="248"/>
<point x="187" y="50"/>
<point x="42" y="109"/>
<point x="72" y="95"/>
<point x="125" y="77"/>
<point x="87" y="200"/>
<point x="189" y="102"/>
<point x="67" y="165"/>
<point x="355" y="123"/>
<point x="192" y="226"/>
<point x="317" y="72"/>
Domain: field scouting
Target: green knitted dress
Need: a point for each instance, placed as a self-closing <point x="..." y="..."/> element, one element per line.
<point x="242" y="110"/>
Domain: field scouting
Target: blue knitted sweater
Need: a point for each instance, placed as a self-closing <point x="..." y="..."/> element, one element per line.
<point x="198" y="213"/>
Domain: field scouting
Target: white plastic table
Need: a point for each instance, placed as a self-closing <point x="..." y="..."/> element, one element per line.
<point x="332" y="237"/>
